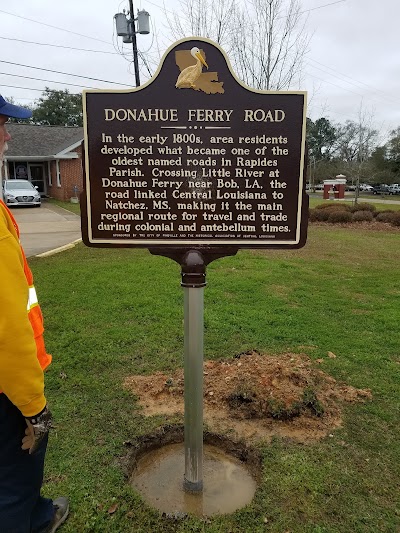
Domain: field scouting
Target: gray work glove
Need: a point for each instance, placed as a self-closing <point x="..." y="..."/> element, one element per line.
<point x="38" y="427"/>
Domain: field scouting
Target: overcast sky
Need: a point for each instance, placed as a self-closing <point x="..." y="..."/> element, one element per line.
<point x="353" y="58"/>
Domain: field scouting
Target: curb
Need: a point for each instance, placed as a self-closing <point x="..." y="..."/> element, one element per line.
<point x="60" y="249"/>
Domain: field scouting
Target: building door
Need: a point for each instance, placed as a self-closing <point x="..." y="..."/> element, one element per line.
<point x="37" y="177"/>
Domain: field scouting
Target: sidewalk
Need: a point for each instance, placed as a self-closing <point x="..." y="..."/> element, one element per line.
<point x="46" y="228"/>
<point x="375" y="199"/>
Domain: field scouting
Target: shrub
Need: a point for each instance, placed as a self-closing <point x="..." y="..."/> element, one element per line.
<point x="331" y="206"/>
<point x="362" y="216"/>
<point x="363" y="207"/>
<point x="324" y="206"/>
<point x="337" y="216"/>
<point x="319" y="215"/>
<point x="385" y="216"/>
<point x="396" y="219"/>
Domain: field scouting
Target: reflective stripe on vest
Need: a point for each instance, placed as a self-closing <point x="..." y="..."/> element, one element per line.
<point x="32" y="298"/>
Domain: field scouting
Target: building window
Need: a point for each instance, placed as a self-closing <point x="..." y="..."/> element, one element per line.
<point x="21" y="171"/>
<point x="50" y="179"/>
<point x="58" y="173"/>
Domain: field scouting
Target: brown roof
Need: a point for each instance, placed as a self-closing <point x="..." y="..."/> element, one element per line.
<point x="31" y="140"/>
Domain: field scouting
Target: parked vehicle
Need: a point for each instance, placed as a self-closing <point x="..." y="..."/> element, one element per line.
<point x="20" y="192"/>
<point x="395" y="188"/>
<point x="365" y="187"/>
<point x="382" y="189"/>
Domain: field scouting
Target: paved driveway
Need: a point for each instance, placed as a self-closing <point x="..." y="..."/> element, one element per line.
<point x="46" y="228"/>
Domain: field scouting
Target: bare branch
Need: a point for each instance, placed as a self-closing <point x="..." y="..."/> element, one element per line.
<point x="265" y="40"/>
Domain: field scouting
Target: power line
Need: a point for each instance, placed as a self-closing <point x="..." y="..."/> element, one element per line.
<point x="49" y="81"/>
<point x="100" y="40"/>
<point x="69" y="47"/>
<point x="63" y="73"/>
<point x="32" y="89"/>
<point x="54" y="27"/>
<point x="164" y="9"/>
<point x="349" y="90"/>
<point x="350" y="78"/>
<point x="320" y="7"/>
<point x="159" y="7"/>
<point x="114" y="53"/>
<point x="334" y="84"/>
<point x="58" y="46"/>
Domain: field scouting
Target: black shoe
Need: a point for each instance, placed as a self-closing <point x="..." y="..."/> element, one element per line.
<point x="61" y="508"/>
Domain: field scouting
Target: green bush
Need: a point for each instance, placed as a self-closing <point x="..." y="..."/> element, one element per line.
<point x="385" y="216"/>
<point x="336" y="217"/>
<point x="362" y="216"/>
<point x="363" y="207"/>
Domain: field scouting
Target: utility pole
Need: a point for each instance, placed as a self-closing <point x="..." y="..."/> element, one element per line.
<point x="134" y="44"/>
<point x="126" y="28"/>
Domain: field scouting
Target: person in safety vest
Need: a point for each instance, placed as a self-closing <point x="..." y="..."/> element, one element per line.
<point x="25" y="419"/>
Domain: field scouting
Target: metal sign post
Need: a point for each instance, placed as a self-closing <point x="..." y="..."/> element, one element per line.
<point x="193" y="283"/>
<point x="194" y="165"/>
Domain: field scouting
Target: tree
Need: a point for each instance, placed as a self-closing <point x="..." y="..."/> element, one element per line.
<point x="379" y="158"/>
<point x="58" y="108"/>
<point x="265" y="40"/>
<point x="385" y="160"/>
<point x="356" y="142"/>
<point x="269" y="42"/>
<point x="203" y="18"/>
<point x="321" y="138"/>
<point x="393" y="151"/>
<point x="379" y="166"/>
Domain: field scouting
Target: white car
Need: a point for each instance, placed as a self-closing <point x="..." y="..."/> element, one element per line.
<point x="20" y="192"/>
<point x="365" y="187"/>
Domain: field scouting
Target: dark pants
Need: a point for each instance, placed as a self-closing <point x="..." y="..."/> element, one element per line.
<point x="22" y="509"/>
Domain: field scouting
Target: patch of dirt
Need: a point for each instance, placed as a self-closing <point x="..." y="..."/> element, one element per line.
<point x="374" y="225"/>
<point x="255" y="396"/>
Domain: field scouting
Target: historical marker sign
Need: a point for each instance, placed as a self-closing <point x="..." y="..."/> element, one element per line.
<point x="194" y="158"/>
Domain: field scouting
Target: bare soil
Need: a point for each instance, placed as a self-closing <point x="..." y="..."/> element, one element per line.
<point x="374" y="225"/>
<point x="254" y="396"/>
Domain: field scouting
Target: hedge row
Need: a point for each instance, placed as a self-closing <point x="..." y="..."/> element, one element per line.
<point x="339" y="213"/>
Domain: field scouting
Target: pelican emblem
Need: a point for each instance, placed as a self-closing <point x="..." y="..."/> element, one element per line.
<point x="188" y="77"/>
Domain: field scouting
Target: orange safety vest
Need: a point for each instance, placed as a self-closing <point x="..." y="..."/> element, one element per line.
<point x="33" y="308"/>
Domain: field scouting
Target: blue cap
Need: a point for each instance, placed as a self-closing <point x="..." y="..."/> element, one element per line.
<point x="13" y="111"/>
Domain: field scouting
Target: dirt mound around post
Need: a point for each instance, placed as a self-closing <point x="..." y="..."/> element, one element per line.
<point x="255" y="396"/>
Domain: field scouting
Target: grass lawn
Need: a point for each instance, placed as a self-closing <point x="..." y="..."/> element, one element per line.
<point x="114" y="313"/>
<point x="380" y="206"/>
<point x="75" y="208"/>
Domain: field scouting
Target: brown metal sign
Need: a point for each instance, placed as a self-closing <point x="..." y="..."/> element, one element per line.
<point x="194" y="158"/>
